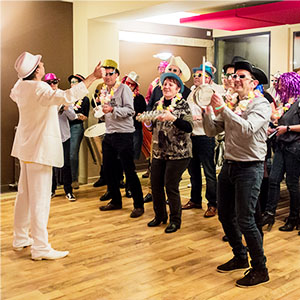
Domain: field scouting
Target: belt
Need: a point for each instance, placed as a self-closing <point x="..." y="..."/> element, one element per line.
<point x="250" y="162"/>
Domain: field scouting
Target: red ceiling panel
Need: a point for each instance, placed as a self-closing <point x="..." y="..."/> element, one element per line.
<point x="273" y="14"/>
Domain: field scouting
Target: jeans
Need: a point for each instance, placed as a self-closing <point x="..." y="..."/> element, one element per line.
<point x="286" y="160"/>
<point x="238" y="190"/>
<point x="115" y="147"/>
<point x="203" y="154"/>
<point x="76" y="138"/>
<point x="137" y="143"/>
<point x="66" y="171"/>
<point x="167" y="174"/>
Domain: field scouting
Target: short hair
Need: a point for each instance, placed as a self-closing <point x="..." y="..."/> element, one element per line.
<point x="174" y="80"/>
<point x="32" y="75"/>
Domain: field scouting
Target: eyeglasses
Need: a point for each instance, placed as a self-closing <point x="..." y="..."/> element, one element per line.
<point x="274" y="80"/>
<point x="173" y="70"/>
<point x="74" y="81"/>
<point x="54" y="81"/>
<point x="242" y="76"/>
<point x="200" y="75"/>
<point x="110" y="73"/>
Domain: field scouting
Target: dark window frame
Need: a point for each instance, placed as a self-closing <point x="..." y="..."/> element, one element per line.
<point x="294" y="35"/>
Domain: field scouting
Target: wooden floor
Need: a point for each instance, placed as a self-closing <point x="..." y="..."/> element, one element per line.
<point x="115" y="257"/>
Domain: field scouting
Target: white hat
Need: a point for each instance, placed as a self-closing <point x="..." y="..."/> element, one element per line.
<point x="134" y="77"/>
<point x="185" y="71"/>
<point x="26" y="63"/>
<point x="208" y="63"/>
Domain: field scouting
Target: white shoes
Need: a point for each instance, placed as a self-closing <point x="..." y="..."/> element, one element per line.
<point x="71" y="197"/>
<point x="52" y="254"/>
<point x="20" y="248"/>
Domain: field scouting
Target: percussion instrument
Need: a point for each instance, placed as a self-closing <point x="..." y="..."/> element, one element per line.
<point x="203" y="94"/>
<point x="95" y="130"/>
<point x="98" y="113"/>
<point x="149" y="115"/>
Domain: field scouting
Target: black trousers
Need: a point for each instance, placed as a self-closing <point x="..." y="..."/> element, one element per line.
<point x="167" y="174"/>
<point x="120" y="146"/>
<point x="65" y="170"/>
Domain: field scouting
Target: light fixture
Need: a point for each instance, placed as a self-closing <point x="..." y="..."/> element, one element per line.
<point x="163" y="55"/>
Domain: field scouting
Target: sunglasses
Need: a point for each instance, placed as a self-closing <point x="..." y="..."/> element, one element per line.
<point x="242" y="76"/>
<point x="130" y="83"/>
<point x="110" y="73"/>
<point x="173" y="70"/>
<point x="200" y="75"/>
<point x="74" y="81"/>
<point x="228" y="75"/>
<point x="54" y="81"/>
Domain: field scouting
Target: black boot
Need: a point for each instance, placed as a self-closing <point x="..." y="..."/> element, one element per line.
<point x="268" y="219"/>
<point x="290" y="224"/>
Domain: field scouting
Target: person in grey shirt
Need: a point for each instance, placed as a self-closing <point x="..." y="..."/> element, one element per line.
<point x="117" y="105"/>
<point x="240" y="178"/>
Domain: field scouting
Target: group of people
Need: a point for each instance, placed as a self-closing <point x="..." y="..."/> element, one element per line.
<point x="183" y="123"/>
<point x="71" y="118"/>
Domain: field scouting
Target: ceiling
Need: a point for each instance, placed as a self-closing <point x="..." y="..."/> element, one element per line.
<point x="124" y="11"/>
<point x="262" y="15"/>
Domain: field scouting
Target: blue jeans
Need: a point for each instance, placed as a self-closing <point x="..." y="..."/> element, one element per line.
<point x="203" y="154"/>
<point x="286" y="160"/>
<point x="137" y="143"/>
<point x="238" y="190"/>
<point x="76" y="138"/>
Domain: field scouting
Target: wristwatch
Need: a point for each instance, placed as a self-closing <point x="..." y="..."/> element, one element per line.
<point x="288" y="128"/>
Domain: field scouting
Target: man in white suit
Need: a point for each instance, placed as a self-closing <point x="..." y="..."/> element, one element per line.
<point x="38" y="146"/>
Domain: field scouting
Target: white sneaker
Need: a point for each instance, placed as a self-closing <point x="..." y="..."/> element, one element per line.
<point x="52" y="254"/>
<point x="20" y="248"/>
<point x="70" y="197"/>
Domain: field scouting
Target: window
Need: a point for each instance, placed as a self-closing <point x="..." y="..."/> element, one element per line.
<point x="296" y="50"/>
<point x="253" y="47"/>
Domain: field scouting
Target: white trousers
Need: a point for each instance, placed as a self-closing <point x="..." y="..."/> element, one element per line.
<point x="32" y="207"/>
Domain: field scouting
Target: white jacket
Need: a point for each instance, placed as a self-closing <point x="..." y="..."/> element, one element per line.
<point x="38" y="137"/>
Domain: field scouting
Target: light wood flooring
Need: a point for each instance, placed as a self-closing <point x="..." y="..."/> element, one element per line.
<point x="115" y="257"/>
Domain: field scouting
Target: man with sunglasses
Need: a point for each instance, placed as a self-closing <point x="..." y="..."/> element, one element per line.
<point x="203" y="152"/>
<point x="38" y="146"/>
<point x="227" y="72"/>
<point x="241" y="175"/>
<point x="118" y="109"/>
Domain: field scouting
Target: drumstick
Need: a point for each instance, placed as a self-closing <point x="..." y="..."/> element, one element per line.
<point x="95" y="101"/>
<point x="203" y="71"/>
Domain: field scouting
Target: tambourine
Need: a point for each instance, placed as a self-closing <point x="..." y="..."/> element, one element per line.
<point x="98" y="113"/>
<point x="95" y="130"/>
<point x="202" y="95"/>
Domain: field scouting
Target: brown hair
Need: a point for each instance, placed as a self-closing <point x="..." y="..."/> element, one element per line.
<point x="174" y="81"/>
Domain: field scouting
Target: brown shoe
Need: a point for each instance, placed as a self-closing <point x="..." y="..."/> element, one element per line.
<point x="110" y="206"/>
<point x="191" y="205"/>
<point x="211" y="212"/>
<point x="136" y="212"/>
